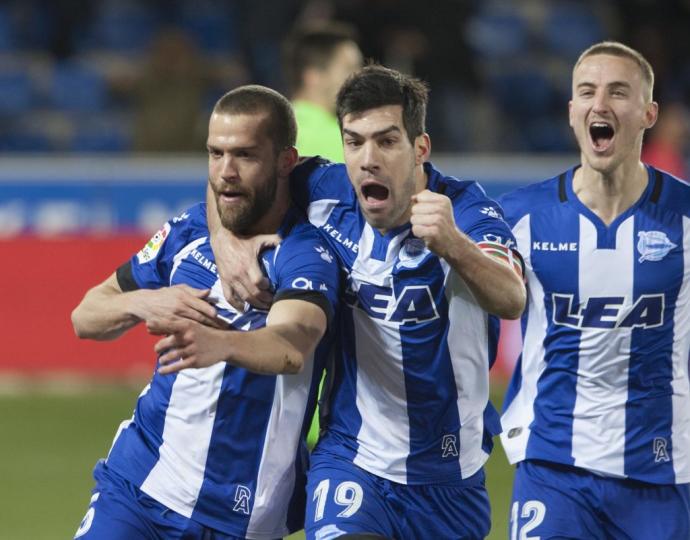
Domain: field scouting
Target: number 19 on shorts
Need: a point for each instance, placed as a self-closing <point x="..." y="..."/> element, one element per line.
<point x="347" y="494"/>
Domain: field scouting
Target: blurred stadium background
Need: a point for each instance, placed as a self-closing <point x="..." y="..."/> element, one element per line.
<point x="103" y="108"/>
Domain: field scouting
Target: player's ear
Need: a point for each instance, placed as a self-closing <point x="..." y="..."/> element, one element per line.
<point x="287" y="159"/>
<point x="422" y="148"/>
<point x="651" y="113"/>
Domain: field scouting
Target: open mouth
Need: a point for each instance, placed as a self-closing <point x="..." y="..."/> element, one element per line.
<point x="601" y="134"/>
<point x="374" y="193"/>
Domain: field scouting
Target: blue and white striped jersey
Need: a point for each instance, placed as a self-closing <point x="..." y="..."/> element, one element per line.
<point x="222" y="445"/>
<point x="602" y="382"/>
<point x="410" y="395"/>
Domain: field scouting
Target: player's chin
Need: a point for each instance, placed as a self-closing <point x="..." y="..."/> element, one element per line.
<point x="378" y="217"/>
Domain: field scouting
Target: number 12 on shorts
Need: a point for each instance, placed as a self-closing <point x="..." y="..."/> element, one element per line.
<point x="535" y="511"/>
<point x="348" y="494"/>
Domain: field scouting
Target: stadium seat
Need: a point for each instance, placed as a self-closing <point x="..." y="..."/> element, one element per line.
<point x="101" y="134"/>
<point x="76" y="87"/>
<point x="570" y="28"/>
<point x="16" y="91"/>
<point x="121" y="26"/>
<point x="498" y="32"/>
<point x="7" y="40"/>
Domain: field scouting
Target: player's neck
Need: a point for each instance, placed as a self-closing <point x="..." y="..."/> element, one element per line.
<point x="271" y="221"/>
<point x="609" y="194"/>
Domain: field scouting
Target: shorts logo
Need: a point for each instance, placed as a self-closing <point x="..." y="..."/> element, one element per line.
<point x="653" y="245"/>
<point x="153" y="246"/>
<point x="449" y="446"/>
<point x="660" y="451"/>
<point x="242" y="496"/>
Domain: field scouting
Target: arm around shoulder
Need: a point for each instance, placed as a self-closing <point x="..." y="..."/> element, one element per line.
<point x="292" y="332"/>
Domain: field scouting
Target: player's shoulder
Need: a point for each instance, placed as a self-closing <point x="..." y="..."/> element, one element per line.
<point x="451" y="186"/>
<point x="534" y="197"/>
<point x="192" y="217"/>
<point x="301" y="236"/>
<point x="331" y="178"/>
<point x="670" y="191"/>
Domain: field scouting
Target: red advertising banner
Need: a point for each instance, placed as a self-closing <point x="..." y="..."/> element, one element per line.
<point x="43" y="280"/>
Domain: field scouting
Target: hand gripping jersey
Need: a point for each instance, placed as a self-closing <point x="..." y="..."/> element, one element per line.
<point x="602" y="382"/>
<point x="222" y="445"/>
<point x="410" y="396"/>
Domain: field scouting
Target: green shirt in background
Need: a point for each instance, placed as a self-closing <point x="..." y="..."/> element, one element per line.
<point x="318" y="133"/>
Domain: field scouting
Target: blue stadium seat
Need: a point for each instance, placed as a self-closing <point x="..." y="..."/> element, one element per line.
<point x="521" y="92"/>
<point x="76" y="87"/>
<point x="25" y="141"/>
<point x="570" y="28"/>
<point x="16" y="91"/>
<point x="7" y="38"/>
<point x="123" y="26"/>
<point x="102" y="134"/>
<point x="211" y="26"/>
<point x="498" y="33"/>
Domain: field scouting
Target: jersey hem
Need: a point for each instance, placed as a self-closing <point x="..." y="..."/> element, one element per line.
<point x="202" y="518"/>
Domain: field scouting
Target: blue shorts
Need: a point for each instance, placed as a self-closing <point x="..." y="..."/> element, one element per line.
<point x="120" y="511"/>
<point x="343" y="498"/>
<point x="558" y="501"/>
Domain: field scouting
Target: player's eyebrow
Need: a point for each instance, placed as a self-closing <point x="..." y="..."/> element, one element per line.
<point x="613" y="84"/>
<point x="376" y="134"/>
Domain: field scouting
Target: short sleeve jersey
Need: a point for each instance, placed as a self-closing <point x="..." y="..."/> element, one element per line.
<point x="602" y="382"/>
<point x="411" y="387"/>
<point x="223" y="445"/>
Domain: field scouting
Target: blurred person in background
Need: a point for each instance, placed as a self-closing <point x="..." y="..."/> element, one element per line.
<point x="317" y="60"/>
<point x="218" y="451"/>
<point x="667" y="142"/>
<point x="168" y="96"/>
<point x="428" y="268"/>
<point x="597" y="415"/>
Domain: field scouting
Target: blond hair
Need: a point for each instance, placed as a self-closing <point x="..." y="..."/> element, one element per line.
<point x="615" y="48"/>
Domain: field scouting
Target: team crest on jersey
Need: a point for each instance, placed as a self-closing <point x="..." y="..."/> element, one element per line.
<point x="660" y="451"/>
<point x="242" y="496"/>
<point x="153" y="246"/>
<point x="412" y="253"/>
<point x="653" y="245"/>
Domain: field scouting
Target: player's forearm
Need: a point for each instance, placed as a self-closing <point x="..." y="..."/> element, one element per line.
<point x="104" y="315"/>
<point x="282" y="348"/>
<point x="496" y="286"/>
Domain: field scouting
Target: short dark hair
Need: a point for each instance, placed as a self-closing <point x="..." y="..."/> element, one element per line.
<point x="313" y="46"/>
<point x="376" y="86"/>
<point x="252" y="99"/>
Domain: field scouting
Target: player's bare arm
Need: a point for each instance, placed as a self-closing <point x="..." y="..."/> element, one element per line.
<point x="498" y="287"/>
<point x="237" y="262"/>
<point x="292" y="331"/>
<point x="106" y="312"/>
